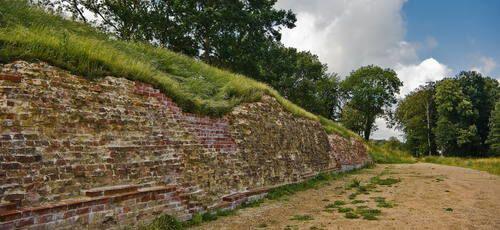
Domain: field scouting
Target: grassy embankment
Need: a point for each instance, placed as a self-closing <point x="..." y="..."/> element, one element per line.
<point x="491" y="165"/>
<point x="28" y="33"/>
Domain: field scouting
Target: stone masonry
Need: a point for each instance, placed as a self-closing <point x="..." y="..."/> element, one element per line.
<point x="113" y="152"/>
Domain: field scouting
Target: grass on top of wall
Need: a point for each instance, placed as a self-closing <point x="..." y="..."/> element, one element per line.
<point x="31" y="34"/>
<point x="491" y="165"/>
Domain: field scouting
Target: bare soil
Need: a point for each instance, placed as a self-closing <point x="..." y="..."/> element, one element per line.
<point x="429" y="196"/>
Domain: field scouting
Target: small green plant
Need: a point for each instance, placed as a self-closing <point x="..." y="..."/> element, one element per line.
<point x="368" y="214"/>
<point x="388" y="181"/>
<point x="252" y="204"/>
<point x="335" y="204"/>
<point x="302" y="217"/>
<point x="448" y="209"/>
<point x="382" y="203"/>
<point x="351" y="215"/>
<point x="354" y="183"/>
<point x="208" y="216"/>
<point x="196" y="220"/>
<point x="357" y="201"/>
<point x="344" y="210"/>
<point x="164" y="222"/>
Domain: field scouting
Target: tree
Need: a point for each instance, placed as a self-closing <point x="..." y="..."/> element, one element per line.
<point x="455" y="131"/>
<point x="231" y="34"/>
<point x="464" y="106"/>
<point x="494" y="135"/>
<point x="371" y="91"/>
<point x="416" y="117"/>
<point x="303" y="79"/>
<point x="482" y="92"/>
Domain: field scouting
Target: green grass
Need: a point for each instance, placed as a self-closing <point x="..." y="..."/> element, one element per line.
<point x="388" y="181"/>
<point x="164" y="222"/>
<point x="28" y="33"/>
<point x="316" y="182"/>
<point x="302" y="217"/>
<point x="383" y="155"/>
<point x="368" y="213"/>
<point x="345" y="209"/>
<point x="491" y="165"/>
<point x="383" y="203"/>
<point x="351" y="215"/>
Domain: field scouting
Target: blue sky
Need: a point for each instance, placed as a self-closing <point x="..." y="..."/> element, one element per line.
<point x="464" y="31"/>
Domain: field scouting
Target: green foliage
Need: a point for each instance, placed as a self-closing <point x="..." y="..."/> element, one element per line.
<point x="455" y="112"/>
<point x="416" y="116"/>
<point x="385" y="155"/>
<point x="383" y="203"/>
<point x="358" y="201"/>
<point x="317" y="181"/>
<point x="164" y="222"/>
<point x="387" y="181"/>
<point x="241" y="36"/>
<point x="371" y="90"/>
<point x="494" y="135"/>
<point x="368" y="213"/>
<point x="343" y="210"/>
<point x="233" y="34"/>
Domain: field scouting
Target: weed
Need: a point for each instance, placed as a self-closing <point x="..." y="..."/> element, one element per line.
<point x="252" y="204"/>
<point x="387" y="181"/>
<point x="164" y="222"/>
<point x="343" y="210"/>
<point x="448" y="209"/>
<point x="357" y="201"/>
<point x="367" y="213"/>
<point x="351" y="215"/>
<point x="382" y="203"/>
<point x="354" y="183"/>
<point x="302" y="217"/>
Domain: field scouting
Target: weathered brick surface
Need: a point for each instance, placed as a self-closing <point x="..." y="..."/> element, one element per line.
<point x="111" y="152"/>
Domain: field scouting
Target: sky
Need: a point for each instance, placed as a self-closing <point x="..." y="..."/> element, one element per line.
<point x="422" y="40"/>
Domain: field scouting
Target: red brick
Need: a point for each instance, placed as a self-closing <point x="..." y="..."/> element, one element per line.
<point x="44" y="219"/>
<point x="25" y="222"/>
<point x="9" y="215"/>
<point x="11" y="77"/>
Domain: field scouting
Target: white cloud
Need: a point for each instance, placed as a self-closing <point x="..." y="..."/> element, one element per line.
<point x="349" y="34"/>
<point x="416" y="75"/>
<point x="487" y="64"/>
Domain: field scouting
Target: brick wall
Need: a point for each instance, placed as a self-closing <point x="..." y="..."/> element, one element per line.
<point x="109" y="152"/>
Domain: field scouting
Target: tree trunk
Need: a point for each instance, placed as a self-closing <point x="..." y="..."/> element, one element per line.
<point x="368" y="129"/>
<point x="427" y="107"/>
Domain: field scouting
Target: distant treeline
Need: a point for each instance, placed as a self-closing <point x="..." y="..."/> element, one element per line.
<point x="457" y="116"/>
<point x="454" y="116"/>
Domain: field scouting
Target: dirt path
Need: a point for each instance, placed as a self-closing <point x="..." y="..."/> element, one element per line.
<point x="428" y="196"/>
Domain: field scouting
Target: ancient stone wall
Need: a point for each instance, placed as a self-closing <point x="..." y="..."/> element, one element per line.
<point x="110" y="152"/>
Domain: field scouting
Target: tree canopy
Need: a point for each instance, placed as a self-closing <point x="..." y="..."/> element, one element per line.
<point x="416" y="116"/>
<point x="371" y="91"/>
